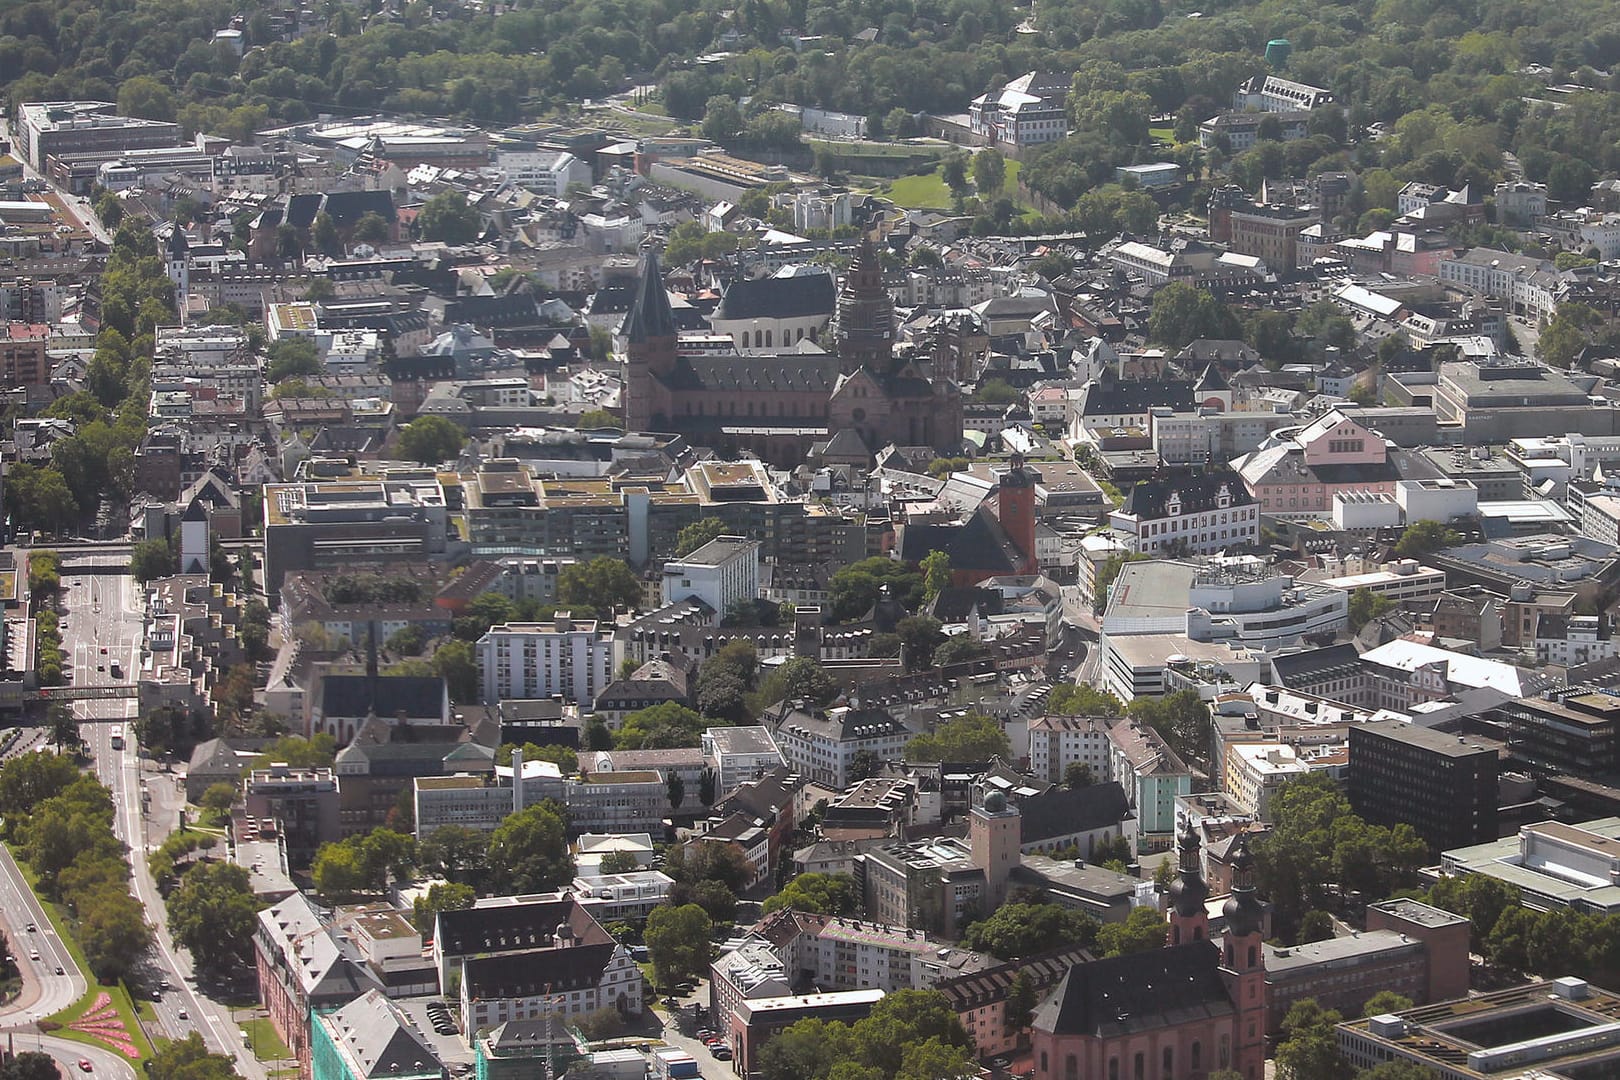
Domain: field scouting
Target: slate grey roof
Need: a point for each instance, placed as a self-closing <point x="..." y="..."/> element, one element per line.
<point x="373" y="1033"/>
<point x="650" y="315"/>
<point x="1137" y="992"/>
<point x="1064" y="811"/>
<point x="417" y="697"/>
<point x="796" y="297"/>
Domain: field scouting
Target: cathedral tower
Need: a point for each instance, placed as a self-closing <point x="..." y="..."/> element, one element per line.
<point x="863" y="325"/>
<point x="995" y="835"/>
<point x="1189" y="921"/>
<point x="1243" y="965"/>
<point x="649" y="346"/>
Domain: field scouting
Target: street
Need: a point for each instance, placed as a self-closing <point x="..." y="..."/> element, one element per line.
<point x="105" y="612"/>
<point x="79" y="209"/>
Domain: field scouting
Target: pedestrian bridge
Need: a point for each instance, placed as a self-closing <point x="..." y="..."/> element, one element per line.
<point x="15" y="695"/>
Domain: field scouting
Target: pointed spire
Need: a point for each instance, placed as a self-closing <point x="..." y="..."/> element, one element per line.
<point x="650" y="315"/>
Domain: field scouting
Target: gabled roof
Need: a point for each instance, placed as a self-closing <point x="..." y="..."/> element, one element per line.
<point x="978" y="544"/>
<point x="416" y="697"/>
<point x="1137" y="992"/>
<point x="525" y="975"/>
<point x="524" y="925"/>
<point x="1197" y="493"/>
<point x="1065" y="811"/>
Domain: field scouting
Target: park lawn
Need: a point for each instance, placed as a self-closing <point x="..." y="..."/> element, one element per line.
<point x="1163" y="134"/>
<point x="927" y="192"/>
<point x="119" y="993"/>
<point x="262" y="1037"/>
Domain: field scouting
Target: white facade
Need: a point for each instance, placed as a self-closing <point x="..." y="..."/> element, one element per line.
<point x="1397" y="581"/>
<point x="1198" y="532"/>
<point x="720" y="573"/>
<point x="1056" y="742"/>
<point x="569" y="658"/>
<point x="741" y="755"/>
<point x="1583" y="643"/>
<point x="546" y="171"/>
<point x="1256" y="771"/>
<point x="620" y="988"/>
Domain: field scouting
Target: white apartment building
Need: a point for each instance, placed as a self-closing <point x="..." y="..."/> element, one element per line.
<point x="820" y="745"/>
<point x="1195" y="514"/>
<point x="1398" y="582"/>
<point x="720" y="573"/>
<point x="1056" y="742"/>
<point x="741" y="755"/>
<point x="1530" y="286"/>
<point x="548" y="172"/>
<point x="567" y="658"/>
<point x="1256" y="771"/>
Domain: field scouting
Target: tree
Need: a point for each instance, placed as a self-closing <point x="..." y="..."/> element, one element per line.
<point x="528" y="852"/>
<point x="691" y="864"/>
<point x="213" y="914"/>
<point x="954" y="171"/>
<point x="188" y="1059"/>
<point x="455" y="852"/>
<point x="152" y="559"/>
<point x="30" y="1065"/>
<point x="693" y="536"/>
<point x="1365" y="606"/>
<point x="324" y="235"/>
<point x="448" y="218"/>
<point x="919" y="636"/>
<point x="601" y="586"/>
<point x="936" y="568"/>
<point x="1180" y="314"/>
<point x="598" y="418"/>
<point x="971" y="738"/>
<point x="675" y="790"/>
<point x="1078" y="775"/>
<point x="958" y="649"/>
<point x="665" y="726"/>
<point x="218" y="798"/>
<point x="145" y="97"/>
<point x="619" y="862"/>
<point x="722" y="119"/>
<point x="441" y="896"/>
<point x="292" y="357"/>
<point x="1014" y="931"/>
<point x="862" y="765"/>
<point x="1309" y="1050"/>
<point x="800" y="678"/>
<point x="989" y="172"/>
<point x="1316" y="925"/>
<point x="431" y="440"/>
<point x="1182" y="718"/>
<point x="678" y="943"/>
<point x="1079" y="699"/>
<point x="455" y="663"/>
<point x="28" y="780"/>
<point x="1386" y="1001"/>
<point x="1019" y="1009"/>
<point x="824" y="894"/>
<point x="1142" y="930"/>
<point x="708" y="785"/>
<point x="371" y="229"/>
<point x="602" y="1024"/>
<point x="1424" y="537"/>
<point x="1394" y="1070"/>
<point x="854" y="589"/>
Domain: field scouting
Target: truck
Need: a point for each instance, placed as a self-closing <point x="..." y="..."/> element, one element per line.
<point x="672" y="1064"/>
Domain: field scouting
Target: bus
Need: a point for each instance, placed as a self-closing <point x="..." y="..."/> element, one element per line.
<point x="117" y="738"/>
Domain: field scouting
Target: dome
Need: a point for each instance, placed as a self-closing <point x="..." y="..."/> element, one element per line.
<point x="1243" y="913"/>
<point x="995" y="802"/>
<point x="1187" y="895"/>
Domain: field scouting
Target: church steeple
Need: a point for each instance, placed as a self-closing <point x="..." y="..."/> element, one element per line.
<point x="650" y="348"/>
<point x="1243" y="964"/>
<point x="1189" y="921"/>
<point x="863" y="330"/>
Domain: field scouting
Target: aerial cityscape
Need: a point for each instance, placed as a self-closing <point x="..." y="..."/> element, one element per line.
<point x="886" y="541"/>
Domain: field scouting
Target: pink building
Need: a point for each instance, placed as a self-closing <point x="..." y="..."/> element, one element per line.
<point x="1300" y="469"/>
<point x="1179" y="1013"/>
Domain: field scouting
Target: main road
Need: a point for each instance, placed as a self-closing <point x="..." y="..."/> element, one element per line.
<point x="104" y="627"/>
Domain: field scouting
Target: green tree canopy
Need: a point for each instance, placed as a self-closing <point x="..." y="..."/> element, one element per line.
<point x="292" y="357"/>
<point x="974" y="737"/>
<point x="1425" y="537"/>
<point x="448" y="217"/>
<point x="528" y="852"/>
<point x="678" y="942"/>
<point x="431" y="440"/>
<point x="826" y="894"/>
<point x="1180" y="314"/>
<point x="599" y="586"/>
<point x="1014" y="931"/>
<point x="213" y="914"/>
<point x="665" y="726"/>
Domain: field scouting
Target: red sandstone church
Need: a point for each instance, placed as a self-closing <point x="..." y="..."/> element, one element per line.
<point x="1179" y="1013"/>
<point x="777" y="406"/>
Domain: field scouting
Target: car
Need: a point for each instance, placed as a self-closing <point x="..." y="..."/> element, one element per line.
<point x="721" y="1052"/>
<point x="1001" y="1062"/>
<point x="704" y="1033"/>
<point x="101" y="667"/>
<point x="34" y="956"/>
<point x="182" y="1014"/>
<point x="157" y="995"/>
<point x="32" y="929"/>
<point x="59" y="970"/>
<point x="166" y="984"/>
<point x="84" y="1065"/>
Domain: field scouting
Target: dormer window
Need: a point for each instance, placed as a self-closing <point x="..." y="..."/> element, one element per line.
<point x="1223" y="498"/>
<point x="1172" y="505"/>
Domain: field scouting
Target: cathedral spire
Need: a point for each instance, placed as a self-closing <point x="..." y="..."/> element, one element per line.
<point x="650" y="315"/>
<point x="863" y="327"/>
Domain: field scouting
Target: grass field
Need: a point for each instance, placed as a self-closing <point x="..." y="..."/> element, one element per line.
<point x="267" y="1045"/>
<point x="118" y="993"/>
<point x="1163" y="134"/>
<point x="928" y="192"/>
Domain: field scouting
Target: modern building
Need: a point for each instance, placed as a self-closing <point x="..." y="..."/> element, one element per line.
<point x="723" y="573"/>
<point x="1256" y="771"/>
<point x="1557" y="1027"/>
<point x="1572" y="732"/>
<point x="47" y="129"/>
<point x="1443" y="785"/>
<point x="325" y="525"/>
<point x="741" y="755"/>
<point x="1551" y="864"/>
<point x="568" y="658"/>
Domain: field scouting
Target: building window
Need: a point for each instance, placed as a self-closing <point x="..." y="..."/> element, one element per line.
<point x="1138" y="1066"/>
<point x="1071" y="1068"/>
<point x="1169" y="1062"/>
<point x="1197" y="1055"/>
